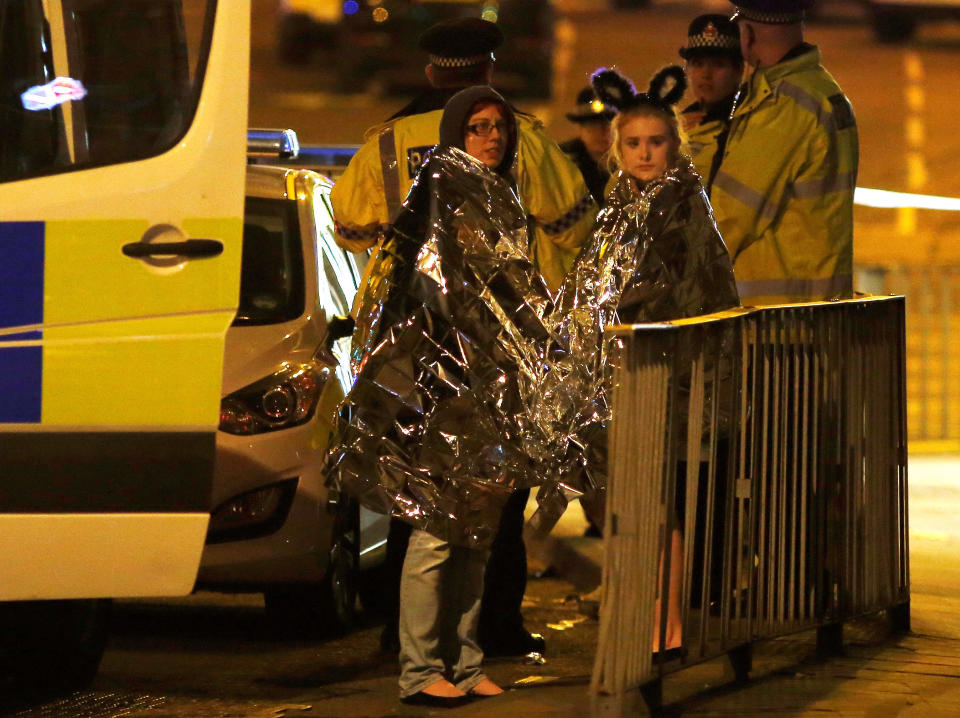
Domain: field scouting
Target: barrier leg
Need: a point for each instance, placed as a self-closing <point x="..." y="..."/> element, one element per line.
<point x="652" y="694"/>
<point x="899" y="618"/>
<point x="830" y="640"/>
<point x="741" y="661"/>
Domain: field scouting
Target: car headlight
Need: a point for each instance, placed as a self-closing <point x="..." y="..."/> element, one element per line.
<point x="279" y="401"/>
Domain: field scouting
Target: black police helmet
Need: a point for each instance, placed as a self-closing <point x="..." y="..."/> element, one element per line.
<point x="461" y="42"/>
<point x="771" y="12"/>
<point x="712" y="34"/>
<point x="590" y="108"/>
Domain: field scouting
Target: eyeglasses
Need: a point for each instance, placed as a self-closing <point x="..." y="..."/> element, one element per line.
<point x="485" y="127"/>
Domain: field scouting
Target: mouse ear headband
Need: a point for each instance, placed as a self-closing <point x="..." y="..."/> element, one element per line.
<point x="665" y="90"/>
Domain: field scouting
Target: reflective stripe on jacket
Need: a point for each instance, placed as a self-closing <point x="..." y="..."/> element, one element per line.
<point x="700" y="143"/>
<point x="783" y="195"/>
<point x="368" y="195"/>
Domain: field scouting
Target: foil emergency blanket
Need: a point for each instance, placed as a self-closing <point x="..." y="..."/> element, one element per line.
<point x="655" y="255"/>
<point x="449" y="346"/>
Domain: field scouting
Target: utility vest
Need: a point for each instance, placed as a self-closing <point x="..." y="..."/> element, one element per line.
<point x="783" y="193"/>
<point x="368" y="195"/>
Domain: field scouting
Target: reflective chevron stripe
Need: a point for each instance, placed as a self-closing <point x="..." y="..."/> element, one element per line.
<point x="754" y="200"/>
<point x="569" y="219"/>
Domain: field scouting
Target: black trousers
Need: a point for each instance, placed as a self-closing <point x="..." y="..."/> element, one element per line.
<point x="505" y="580"/>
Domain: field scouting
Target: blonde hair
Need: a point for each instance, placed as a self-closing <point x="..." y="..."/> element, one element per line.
<point x="613" y="160"/>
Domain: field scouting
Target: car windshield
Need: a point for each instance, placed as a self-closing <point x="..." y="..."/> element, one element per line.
<point x="271" y="277"/>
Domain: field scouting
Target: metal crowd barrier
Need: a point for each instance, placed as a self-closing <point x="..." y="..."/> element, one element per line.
<point x="933" y="347"/>
<point x="774" y="440"/>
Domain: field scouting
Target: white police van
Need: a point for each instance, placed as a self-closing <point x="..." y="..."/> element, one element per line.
<point x="119" y="276"/>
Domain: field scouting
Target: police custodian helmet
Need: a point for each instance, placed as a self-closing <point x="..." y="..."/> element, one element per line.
<point x="712" y="35"/>
<point x="461" y="42"/>
<point x="590" y="108"/>
<point x="770" y="12"/>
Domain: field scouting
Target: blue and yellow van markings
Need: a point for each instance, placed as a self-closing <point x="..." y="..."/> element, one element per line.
<point x="21" y="304"/>
<point x="21" y="273"/>
<point x="91" y="337"/>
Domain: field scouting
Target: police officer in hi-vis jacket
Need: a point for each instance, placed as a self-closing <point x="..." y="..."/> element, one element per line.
<point x="554" y="195"/>
<point x="782" y="192"/>
<point x="714" y="68"/>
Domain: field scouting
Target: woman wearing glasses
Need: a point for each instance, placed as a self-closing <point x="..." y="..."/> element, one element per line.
<point x="434" y="430"/>
<point x="479" y="122"/>
<point x="442" y="583"/>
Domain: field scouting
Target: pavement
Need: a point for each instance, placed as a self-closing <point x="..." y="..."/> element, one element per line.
<point x="877" y="674"/>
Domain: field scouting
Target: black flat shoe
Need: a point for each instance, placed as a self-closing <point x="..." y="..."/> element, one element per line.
<point x="425" y="699"/>
<point x="671" y="654"/>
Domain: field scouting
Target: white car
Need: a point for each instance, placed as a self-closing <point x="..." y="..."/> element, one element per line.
<point x="275" y="526"/>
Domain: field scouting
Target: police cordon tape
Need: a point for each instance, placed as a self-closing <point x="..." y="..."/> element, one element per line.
<point x="331" y="158"/>
<point x="887" y="199"/>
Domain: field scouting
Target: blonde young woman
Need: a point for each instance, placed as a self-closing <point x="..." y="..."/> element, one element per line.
<point x="655" y="255"/>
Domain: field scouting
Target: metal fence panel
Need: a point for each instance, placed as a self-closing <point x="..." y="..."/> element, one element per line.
<point x="774" y="441"/>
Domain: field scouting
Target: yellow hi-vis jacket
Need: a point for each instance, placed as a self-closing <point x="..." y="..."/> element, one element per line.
<point x="699" y="141"/>
<point x="783" y="195"/>
<point x="368" y="195"/>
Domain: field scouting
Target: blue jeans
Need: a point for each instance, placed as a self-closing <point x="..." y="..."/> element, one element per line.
<point x="440" y="590"/>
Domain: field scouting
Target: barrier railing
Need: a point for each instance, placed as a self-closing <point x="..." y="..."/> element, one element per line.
<point x="769" y="447"/>
<point x="933" y="346"/>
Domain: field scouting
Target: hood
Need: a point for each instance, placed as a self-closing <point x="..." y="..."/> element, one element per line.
<point x="457" y="111"/>
<point x="255" y="352"/>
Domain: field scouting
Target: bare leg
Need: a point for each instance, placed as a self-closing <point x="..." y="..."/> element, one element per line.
<point x="674" y="621"/>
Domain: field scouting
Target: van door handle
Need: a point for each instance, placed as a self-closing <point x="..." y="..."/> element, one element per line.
<point x="194" y="248"/>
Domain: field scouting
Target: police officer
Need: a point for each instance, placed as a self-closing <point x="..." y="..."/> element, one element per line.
<point x="366" y="199"/>
<point x="783" y="192"/>
<point x="593" y="140"/>
<point x="714" y="68"/>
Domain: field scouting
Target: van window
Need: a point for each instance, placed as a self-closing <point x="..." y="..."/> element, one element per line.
<point x="97" y="82"/>
<point x="271" y="276"/>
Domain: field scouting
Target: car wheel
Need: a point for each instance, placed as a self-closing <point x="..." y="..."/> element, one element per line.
<point x="52" y="647"/>
<point x="294" y="39"/>
<point x="893" y="25"/>
<point x="328" y="607"/>
<point x="373" y="599"/>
